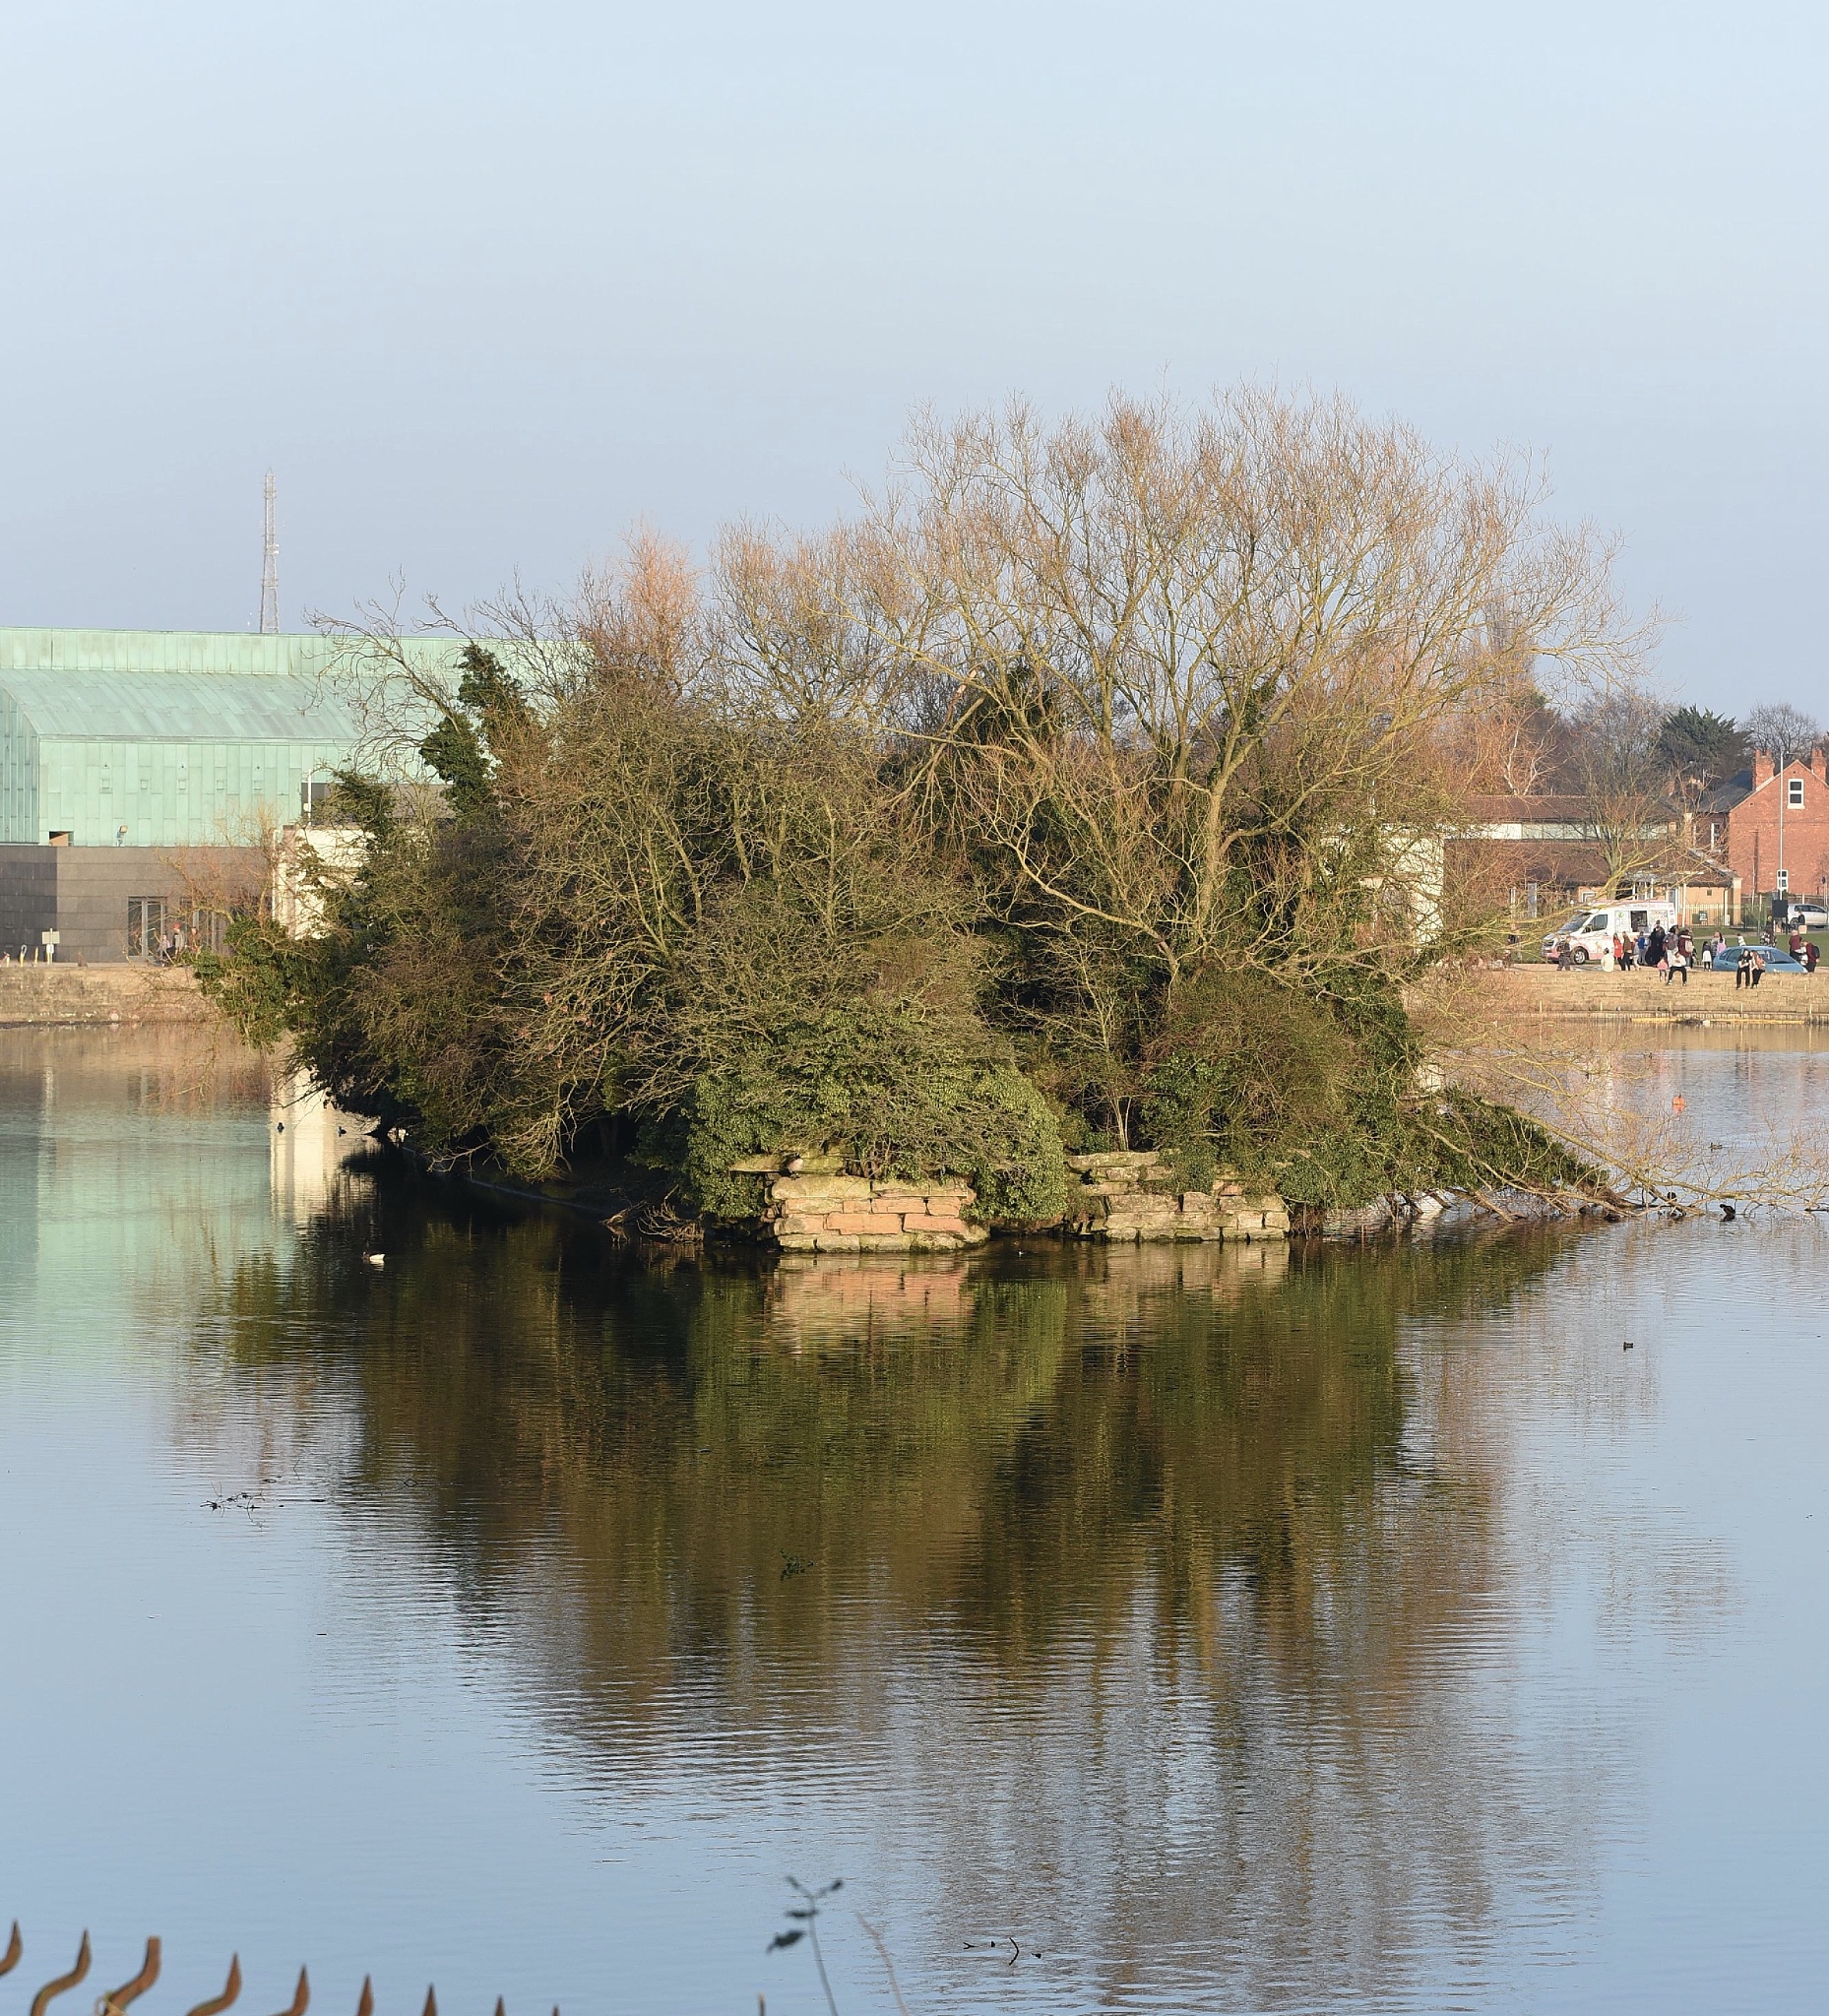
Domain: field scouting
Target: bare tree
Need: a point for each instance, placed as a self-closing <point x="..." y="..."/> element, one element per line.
<point x="1617" y="763"/>
<point x="1783" y="731"/>
<point x="1192" y="673"/>
<point x="1093" y="729"/>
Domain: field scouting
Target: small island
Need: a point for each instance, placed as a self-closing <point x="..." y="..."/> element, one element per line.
<point x="1077" y="810"/>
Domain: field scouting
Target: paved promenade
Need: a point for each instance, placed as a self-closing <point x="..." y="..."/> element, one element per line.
<point x="1640" y="996"/>
<point x="41" y="997"/>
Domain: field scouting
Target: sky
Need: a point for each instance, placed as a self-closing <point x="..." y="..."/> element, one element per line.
<point x="488" y="285"/>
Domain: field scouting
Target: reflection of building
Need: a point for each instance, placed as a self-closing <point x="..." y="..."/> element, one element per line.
<point x="105" y="1195"/>
<point x="309" y="1141"/>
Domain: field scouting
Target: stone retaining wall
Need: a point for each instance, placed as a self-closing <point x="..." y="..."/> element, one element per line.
<point x="836" y="1214"/>
<point x="1133" y="1197"/>
<point x="44" y="996"/>
<point x="1640" y="996"/>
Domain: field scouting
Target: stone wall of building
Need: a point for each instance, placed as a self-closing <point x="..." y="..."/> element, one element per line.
<point x="105" y="903"/>
<point x="1134" y="1197"/>
<point x="28" y="899"/>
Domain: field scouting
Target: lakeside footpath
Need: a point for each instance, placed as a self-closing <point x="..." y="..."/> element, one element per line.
<point x="1642" y="996"/>
<point x="88" y="996"/>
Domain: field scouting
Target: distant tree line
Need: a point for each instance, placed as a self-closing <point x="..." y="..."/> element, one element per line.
<point x="1077" y="792"/>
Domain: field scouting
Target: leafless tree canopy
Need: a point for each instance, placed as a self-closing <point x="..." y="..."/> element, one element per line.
<point x="1160" y="660"/>
<point x="1784" y="733"/>
<point x="1106" y="734"/>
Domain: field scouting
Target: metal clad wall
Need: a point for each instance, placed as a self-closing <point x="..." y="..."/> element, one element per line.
<point x="173" y="794"/>
<point x="171" y="738"/>
<point x="18" y="774"/>
<point x="154" y="650"/>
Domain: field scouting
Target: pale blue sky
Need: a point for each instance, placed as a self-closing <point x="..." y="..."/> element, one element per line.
<point x="486" y="285"/>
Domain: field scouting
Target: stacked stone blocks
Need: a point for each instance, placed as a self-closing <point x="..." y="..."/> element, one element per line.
<point x="814" y="1206"/>
<point x="1132" y="1197"/>
<point x="814" y="1212"/>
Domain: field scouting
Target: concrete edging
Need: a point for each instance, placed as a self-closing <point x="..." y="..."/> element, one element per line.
<point x="1640" y="996"/>
<point x="57" y="996"/>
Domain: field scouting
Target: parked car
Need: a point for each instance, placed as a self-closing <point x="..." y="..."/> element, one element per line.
<point x="1809" y="917"/>
<point x="1589" y="932"/>
<point x="1777" y="959"/>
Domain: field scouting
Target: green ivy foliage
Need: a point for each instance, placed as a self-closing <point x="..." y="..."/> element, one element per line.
<point x="1320" y="1096"/>
<point x="894" y="1092"/>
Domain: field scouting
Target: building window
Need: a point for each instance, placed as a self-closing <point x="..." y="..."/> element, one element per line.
<point x="145" y="927"/>
<point x="157" y="928"/>
<point x="1793" y="791"/>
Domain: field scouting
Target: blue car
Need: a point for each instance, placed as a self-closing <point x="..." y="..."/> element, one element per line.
<point x="1777" y="959"/>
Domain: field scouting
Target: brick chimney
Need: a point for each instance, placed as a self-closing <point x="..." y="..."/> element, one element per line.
<point x="1817" y="764"/>
<point x="1762" y="768"/>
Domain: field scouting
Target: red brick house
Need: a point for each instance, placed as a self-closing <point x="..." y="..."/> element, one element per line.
<point x="1772" y="827"/>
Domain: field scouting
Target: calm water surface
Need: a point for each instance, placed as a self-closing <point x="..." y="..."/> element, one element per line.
<point x="1230" y="1631"/>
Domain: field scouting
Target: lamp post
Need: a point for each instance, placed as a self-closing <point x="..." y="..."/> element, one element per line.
<point x="1783" y="787"/>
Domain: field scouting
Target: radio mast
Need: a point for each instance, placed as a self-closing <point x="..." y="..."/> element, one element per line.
<point x="270" y="567"/>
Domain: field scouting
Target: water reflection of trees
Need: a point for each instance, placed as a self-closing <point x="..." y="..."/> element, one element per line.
<point x="1128" y="1589"/>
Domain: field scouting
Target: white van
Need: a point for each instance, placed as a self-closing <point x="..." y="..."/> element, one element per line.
<point x="1590" y="932"/>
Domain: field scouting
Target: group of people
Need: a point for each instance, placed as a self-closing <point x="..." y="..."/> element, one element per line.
<point x="1672" y="953"/>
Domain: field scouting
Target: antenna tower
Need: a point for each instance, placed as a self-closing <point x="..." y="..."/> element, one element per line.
<point x="270" y="567"/>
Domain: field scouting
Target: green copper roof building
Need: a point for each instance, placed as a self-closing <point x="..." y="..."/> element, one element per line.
<point x="169" y="738"/>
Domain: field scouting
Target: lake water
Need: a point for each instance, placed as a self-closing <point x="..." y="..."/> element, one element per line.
<point x="1165" y="1630"/>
